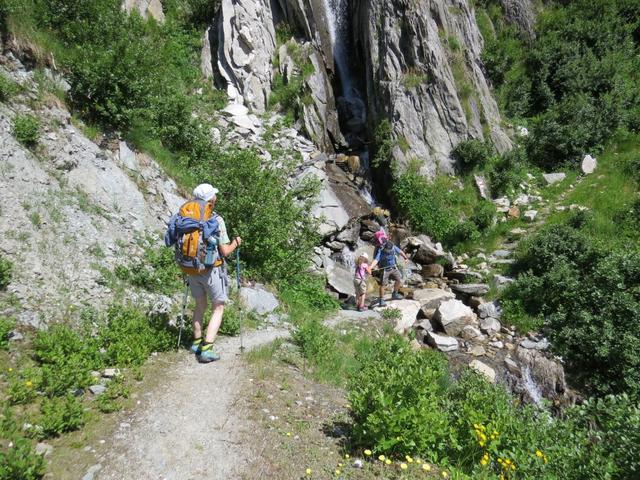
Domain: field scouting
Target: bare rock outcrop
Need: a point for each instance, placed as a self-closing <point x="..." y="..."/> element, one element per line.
<point x="422" y="69"/>
<point x="246" y="45"/>
<point x="146" y="8"/>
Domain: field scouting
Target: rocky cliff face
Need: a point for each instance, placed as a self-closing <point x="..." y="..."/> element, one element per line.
<point x="417" y="62"/>
<point x="146" y="8"/>
<point x="423" y="71"/>
<point x="71" y="208"/>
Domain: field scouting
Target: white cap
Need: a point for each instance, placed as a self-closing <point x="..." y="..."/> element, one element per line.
<point x="205" y="192"/>
<point x="364" y="255"/>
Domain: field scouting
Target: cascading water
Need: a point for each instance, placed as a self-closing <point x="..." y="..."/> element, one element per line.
<point x="336" y="13"/>
<point x="530" y="385"/>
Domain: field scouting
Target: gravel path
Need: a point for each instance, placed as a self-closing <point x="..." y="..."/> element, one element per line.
<point x="189" y="429"/>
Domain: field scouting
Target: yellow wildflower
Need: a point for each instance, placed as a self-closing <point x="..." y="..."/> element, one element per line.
<point x="29" y="383"/>
<point x="387" y="461"/>
<point x="409" y="459"/>
<point x="426" y="467"/>
<point x="288" y="434"/>
<point x="346" y="455"/>
<point x="403" y="466"/>
<point x="483" y="462"/>
<point x="338" y="471"/>
<point x="545" y="459"/>
<point x="367" y="452"/>
<point x="539" y="454"/>
<point x="381" y="458"/>
<point x="10" y="369"/>
<point x="340" y="465"/>
<point x="444" y="474"/>
<point x="308" y="471"/>
<point x="418" y="461"/>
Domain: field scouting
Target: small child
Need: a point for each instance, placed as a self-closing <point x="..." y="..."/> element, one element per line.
<point x="360" y="280"/>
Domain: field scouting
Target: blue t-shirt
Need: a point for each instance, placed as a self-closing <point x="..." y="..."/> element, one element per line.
<point x="387" y="259"/>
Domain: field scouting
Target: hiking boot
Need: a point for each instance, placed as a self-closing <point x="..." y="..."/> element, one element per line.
<point x="363" y="309"/>
<point x="208" y="356"/>
<point x="196" y="345"/>
<point x="396" y="296"/>
<point x="382" y="303"/>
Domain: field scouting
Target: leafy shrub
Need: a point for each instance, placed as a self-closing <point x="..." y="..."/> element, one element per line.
<point x="60" y="415"/>
<point x="116" y="389"/>
<point x="23" y="385"/>
<point x="279" y="232"/>
<point x="316" y="341"/>
<point x="6" y="270"/>
<point x="576" y="85"/>
<point x="484" y="215"/>
<point x="428" y="207"/>
<point x="156" y="272"/>
<point x="471" y="154"/>
<point x="589" y="295"/>
<point x="20" y="461"/>
<point x="393" y="413"/>
<point x="307" y="291"/>
<point x="6" y="325"/>
<point x="26" y="129"/>
<point x="230" y="325"/>
<point x="7" y="88"/>
<point x="406" y="402"/>
<point x="129" y="337"/>
<point x="507" y="171"/>
<point x="67" y="359"/>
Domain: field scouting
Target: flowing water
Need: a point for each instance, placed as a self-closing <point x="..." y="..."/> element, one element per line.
<point x="337" y="17"/>
<point x="530" y="385"/>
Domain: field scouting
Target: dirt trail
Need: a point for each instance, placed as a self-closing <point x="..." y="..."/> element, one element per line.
<point x="189" y="428"/>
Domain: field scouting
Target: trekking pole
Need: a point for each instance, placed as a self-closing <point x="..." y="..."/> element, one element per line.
<point x="238" y="280"/>
<point x="184" y="309"/>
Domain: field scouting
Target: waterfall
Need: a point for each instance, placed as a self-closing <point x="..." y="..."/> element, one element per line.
<point x="336" y="14"/>
<point x="530" y="385"/>
<point x="347" y="259"/>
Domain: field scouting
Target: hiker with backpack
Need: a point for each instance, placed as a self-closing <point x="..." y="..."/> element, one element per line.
<point x="385" y="258"/>
<point x="201" y="242"/>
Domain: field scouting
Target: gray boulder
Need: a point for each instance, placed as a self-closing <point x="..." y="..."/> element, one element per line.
<point x="475" y="289"/>
<point x="441" y="342"/>
<point x="453" y="316"/>
<point x="489" y="309"/>
<point x="257" y="299"/>
<point x="552" y="178"/>
<point x="408" y="313"/>
<point x="483" y="369"/>
<point x="490" y="325"/>
<point x="431" y="297"/>
<point x="589" y="164"/>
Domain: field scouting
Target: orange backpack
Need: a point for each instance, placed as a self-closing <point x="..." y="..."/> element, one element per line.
<point x="192" y="247"/>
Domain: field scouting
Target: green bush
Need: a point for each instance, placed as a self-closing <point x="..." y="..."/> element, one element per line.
<point x="230" y="325"/>
<point x="67" y="359"/>
<point x="116" y="389"/>
<point x="157" y="271"/>
<point x="507" y="171"/>
<point x="432" y="208"/>
<point x="589" y="295"/>
<point x="18" y="461"/>
<point x="278" y="231"/>
<point x="307" y="291"/>
<point x="316" y="341"/>
<point x="575" y="81"/>
<point x="472" y="154"/>
<point x="129" y="337"/>
<point x="61" y="415"/>
<point x="405" y="402"/>
<point x="6" y="325"/>
<point x="26" y="129"/>
<point x="484" y="215"/>
<point x="7" y="88"/>
<point x="24" y="385"/>
<point x="394" y="412"/>
<point x="6" y="271"/>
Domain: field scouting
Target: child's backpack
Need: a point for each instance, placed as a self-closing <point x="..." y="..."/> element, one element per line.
<point x="197" y="232"/>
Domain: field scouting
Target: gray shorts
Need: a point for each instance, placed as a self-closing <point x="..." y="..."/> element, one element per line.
<point x="389" y="274"/>
<point x="214" y="284"/>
